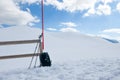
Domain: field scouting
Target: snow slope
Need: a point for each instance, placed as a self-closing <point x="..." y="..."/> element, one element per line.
<point x="74" y="56"/>
<point x="111" y="40"/>
<point x="95" y="69"/>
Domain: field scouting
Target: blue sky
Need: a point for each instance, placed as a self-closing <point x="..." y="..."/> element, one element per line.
<point x="96" y="17"/>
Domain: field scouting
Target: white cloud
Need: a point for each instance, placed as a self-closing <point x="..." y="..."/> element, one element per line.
<point x="104" y="9"/>
<point x="91" y="11"/>
<point x="11" y="14"/>
<point x="81" y="5"/>
<point x="51" y="29"/>
<point x="68" y="24"/>
<point x="118" y="7"/>
<point x="107" y="1"/>
<point x="27" y="1"/>
<point x="100" y="10"/>
<point x="68" y="29"/>
<point x="112" y="31"/>
<point x="72" y="5"/>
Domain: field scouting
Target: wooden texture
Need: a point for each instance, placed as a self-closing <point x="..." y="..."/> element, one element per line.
<point x="18" y="56"/>
<point x="18" y="42"/>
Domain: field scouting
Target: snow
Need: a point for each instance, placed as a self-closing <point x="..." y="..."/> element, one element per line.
<point x="74" y="56"/>
<point x="111" y="40"/>
<point x="94" y="69"/>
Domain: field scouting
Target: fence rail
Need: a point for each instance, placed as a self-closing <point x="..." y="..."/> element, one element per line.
<point x="19" y="56"/>
<point x="18" y="42"/>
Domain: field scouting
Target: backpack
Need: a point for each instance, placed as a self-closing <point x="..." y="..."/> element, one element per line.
<point x="45" y="59"/>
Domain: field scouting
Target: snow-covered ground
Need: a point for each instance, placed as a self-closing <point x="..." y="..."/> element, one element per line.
<point x="94" y="69"/>
<point x="74" y="56"/>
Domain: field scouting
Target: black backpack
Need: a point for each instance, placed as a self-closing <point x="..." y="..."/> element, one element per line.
<point x="45" y="59"/>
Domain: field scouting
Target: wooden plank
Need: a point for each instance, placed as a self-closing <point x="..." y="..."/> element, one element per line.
<point x="18" y="42"/>
<point x="18" y="56"/>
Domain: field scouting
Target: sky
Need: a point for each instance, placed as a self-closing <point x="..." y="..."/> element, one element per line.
<point x="92" y="17"/>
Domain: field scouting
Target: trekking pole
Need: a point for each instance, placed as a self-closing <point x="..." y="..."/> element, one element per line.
<point x="33" y="56"/>
<point x="36" y="58"/>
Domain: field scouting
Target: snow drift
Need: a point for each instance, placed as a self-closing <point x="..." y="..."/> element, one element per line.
<point x="64" y="48"/>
